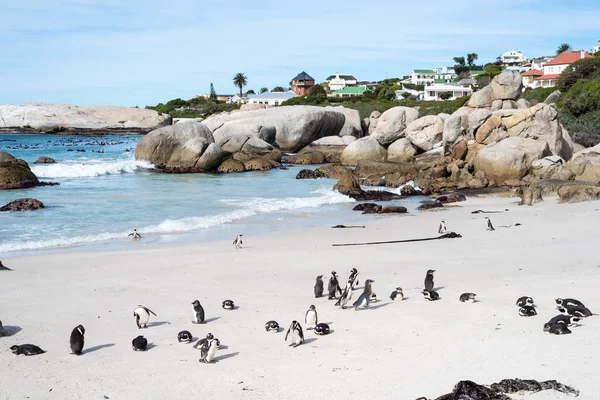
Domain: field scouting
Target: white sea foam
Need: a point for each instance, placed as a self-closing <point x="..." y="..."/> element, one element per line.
<point x="89" y="168"/>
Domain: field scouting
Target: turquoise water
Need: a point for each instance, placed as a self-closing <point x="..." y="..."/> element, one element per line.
<point x="104" y="194"/>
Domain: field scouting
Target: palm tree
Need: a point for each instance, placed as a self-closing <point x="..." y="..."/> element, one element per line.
<point x="240" y="81"/>
<point x="263" y="90"/>
<point x="562" y="48"/>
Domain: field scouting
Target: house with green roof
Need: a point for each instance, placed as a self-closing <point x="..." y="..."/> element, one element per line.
<point x="350" y="91"/>
<point x="422" y="77"/>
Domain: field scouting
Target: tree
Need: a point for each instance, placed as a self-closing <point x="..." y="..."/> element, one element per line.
<point x="445" y="95"/>
<point x="587" y="68"/>
<point x="213" y="94"/>
<point x="240" y="81"/>
<point x="250" y="92"/>
<point x="263" y="90"/>
<point x="318" y="93"/>
<point x="471" y="57"/>
<point x="492" y="69"/>
<point x="278" y="89"/>
<point x="562" y="48"/>
<point x="460" y="61"/>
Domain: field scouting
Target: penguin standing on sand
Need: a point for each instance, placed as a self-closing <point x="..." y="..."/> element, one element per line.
<point x="3" y="268"/>
<point x="238" y="242"/>
<point x="207" y="355"/>
<point x="76" y="341"/>
<point x="490" y="227"/>
<point x="365" y="298"/>
<point x="334" y="286"/>
<point x="311" y="318"/>
<point x="198" y="317"/>
<point x="140" y="343"/>
<point x="442" y="228"/>
<point x="346" y="296"/>
<point x="204" y="341"/>
<point x="467" y="298"/>
<point x="319" y="287"/>
<point x="353" y="278"/>
<point x="184" y="337"/>
<point x="135" y="235"/>
<point x="295" y="333"/>
<point x="429" y="280"/>
<point x="142" y="316"/>
<point x="397" y="295"/>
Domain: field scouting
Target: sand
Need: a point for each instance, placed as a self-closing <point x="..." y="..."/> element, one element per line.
<point x="392" y="350"/>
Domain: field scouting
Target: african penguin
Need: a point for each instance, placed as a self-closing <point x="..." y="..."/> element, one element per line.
<point x="365" y="298"/>
<point x="576" y="311"/>
<point x="353" y="278"/>
<point x="135" y="235"/>
<point x="204" y="341"/>
<point x="442" y="228"/>
<point x="467" y="297"/>
<point x="3" y="331"/>
<point x="184" y="337"/>
<point x="334" y="286"/>
<point x="237" y="242"/>
<point x="228" y="305"/>
<point x="397" y="295"/>
<point x="295" y="333"/>
<point x="557" y="329"/>
<point x="26" y="349"/>
<point x="76" y="341"/>
<point x="319" y="287"/>
<point x="430" y="295"/>
<point x="140" y="343"/>
<point x="322" y="329"/>
<point x="373" y="298"/>
<point x="311" y="318"/>
<point x="346" y="296"/>
<point x="208" y="352"/>
<point x="429" y="279"/>
<point x="568" y="320"/>
<point x="272" y="327"/>
<point x="3" y="268"/>
<point x="490" y="227"/>
<point x="525" y="301"/>
<point x="567" y="302"/>
<point x="527" y="311"/>
<point x="198" y="317"/>
<point x="142" y="316"/>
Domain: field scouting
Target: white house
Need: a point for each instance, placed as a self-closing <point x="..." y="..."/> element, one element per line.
<point x="551" y="70"/>
<point x="444" y="75"/>
<point x="596" y="48"/>
<point x="411" y="92"/>
<point x="271" y="98"/>
<point x="538" y="63"/>
<point x="433" y="92"/>
<point x="422" y="77"/>
<point x="337" y="81"/>
<point x="512" y="58"/>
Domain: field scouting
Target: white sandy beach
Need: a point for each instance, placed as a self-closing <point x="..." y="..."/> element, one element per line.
<point x="393" y="350"/>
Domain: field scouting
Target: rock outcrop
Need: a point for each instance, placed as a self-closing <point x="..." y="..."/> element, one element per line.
<point x="231" y="165"/>
<point x="391" y="124"/>
<point x="51" y="118"/>
<point x="426" y="133"/>
<point x="366" y="148"/>
<point x="26" y="204"/>
<point x="586" y="164"/>
<point x="15" y="173"/>
<point x="506" y="86"/>
<point x="401" y="150"/>
<point x="44" y="160"/>
<point x="349" y="185"/>
<point x="307" y="157"/>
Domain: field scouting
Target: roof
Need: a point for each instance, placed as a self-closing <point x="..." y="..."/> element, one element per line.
<point x="475" y="73"/>
<point x="303" y="76"/>
<point x="344" y="77"/>
<point x="424" y="71"/>
<point x="546" y="77"/>
<point x="532" y="72"/>
<point x="351" y="90"/>
<point x="274" y="95"/>
<point x="568" y="58"/>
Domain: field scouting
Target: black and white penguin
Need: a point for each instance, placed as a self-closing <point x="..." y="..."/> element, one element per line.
<point x="3" y="268"/>
<point x="373" y="298"/>
<point x="429" y="279"/>
<point x="430" y="295"/>
<point x="3" y="331"/>
<point x="527" y="311"/>
<point x="353" y="278"/>
<point x="295" y="333"/>
<point x="135" y="235"/>
<point x="525" y="301"/>
<point x="467" y="297"/>
<point x="184" y="337"/>
<point x="346" y="296"/>
<point x="311" y="318"/>
<point x="76" y="341"/>
<point x="319" y="287"/>
<point x="569" y="302"/>
<point x="142" y="316"/>
<point x="557" y="329"/>
<point x="237" y="242"/>
<point x="334" y="286"/>
<point x="204" y="341"/>
<point x="322" y="329"/>
<point x="490" y="227"/>
<point x="140" y="343"/>
<point x="198" y="316"/>
<point x="26" y="350"/>
<point x="442" y="228"/>
<point x="576" y="311"/>
<point x="207" y="355"/>
<point x="569" y="320"/>
<point x="272" y="327"/>
<point x="365" y="298"/>
<point x="228" y="305"/>
<point x="397" y="295"/>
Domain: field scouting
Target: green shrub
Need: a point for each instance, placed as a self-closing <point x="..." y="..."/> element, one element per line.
<point x="446" y="95"/>
<point x="582" y="98"/>
<point x="587" y="68"/>
<point x="537" y="95"/>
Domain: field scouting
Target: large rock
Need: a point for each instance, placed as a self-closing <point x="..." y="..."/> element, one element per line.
<point x="44" y="118"/>
<point x="452" y="133"/>
<point x="366" y="168"/>
<point x="230" y="131"/>
<point x="553" y="97"/>
<point x="349" y="185"/>
<point x="352" y="124"/>
<point x="26" y="204"/>
<point x="180" y="148"/>
<point x="586" y="164"/>
<point x="509" y="159"/>
<point x="551" y="167"/>
<point x="15" y="173"/>
<point x="307" y="157"/>
<point x="426" y="132"/>
<point x="295" y="126"/>
<point x="260" y="164"/>
<point x="366" y="148"/>
<point x="231" y="165"/>
<point x="373" y="120"/>
<point x="392" y="123"/>
<point x="401" y="150"/>
<point x="578" y="192"/>
<point x="476" y="119"/>
<point x="506" y="86"/>
<point x="482" y="98"/>
<point x="44" y="160"/>
<point x="247" y="147"/>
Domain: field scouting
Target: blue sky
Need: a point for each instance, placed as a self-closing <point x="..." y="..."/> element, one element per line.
<point x="141" y="52"/>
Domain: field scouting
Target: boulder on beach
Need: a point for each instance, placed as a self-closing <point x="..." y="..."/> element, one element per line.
<point x="25" y="204"/>
<point x="260" y="164"/>
<point x="231" y="165"/>
<point x="585" y="164"/>
<point x="349" y="185"/>
<point x="15" y="173"/>
<point x="506" y="86"/>
<point x="366" y="148"/>
<point x="401" y="150"/>
<point x="426" y="133"/>
<point x="307" y="157"/>
<point x="44" y="160"/>
<point x="391" y="124"/>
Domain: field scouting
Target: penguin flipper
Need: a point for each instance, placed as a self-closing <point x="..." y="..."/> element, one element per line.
<point x="286" y="334"/>
<point x="359" y="300"/>
<point x="150" y="311"/>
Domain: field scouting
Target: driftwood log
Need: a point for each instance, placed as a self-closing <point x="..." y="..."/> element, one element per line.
<point x="449" y="235"/>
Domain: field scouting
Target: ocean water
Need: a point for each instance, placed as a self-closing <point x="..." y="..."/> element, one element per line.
<point x="104" y="193"/>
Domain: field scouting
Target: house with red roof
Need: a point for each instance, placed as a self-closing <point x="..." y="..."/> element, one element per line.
<point x="548" y="75"/>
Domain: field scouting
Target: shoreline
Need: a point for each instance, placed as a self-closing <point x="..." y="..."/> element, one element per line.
<point x="78" y="131"/>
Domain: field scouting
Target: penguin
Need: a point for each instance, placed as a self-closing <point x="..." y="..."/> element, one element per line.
<point x="374" y="298"/>
<point x="311" y="318"/>
<point x="346" y="296"/>
<point x="76" y="341"/>
<point x="365" y="298"/>
<point x="525" y="301"/>
<point x="184" y="337"/>
<point x="467" y="297"/>
<point x="198" y="317"/>
<point x="527" y="311"/>
<point x="576" y="311"/>
<point x="442" y="228"/>
<point x="272" y="327"/>
<point x="490" y="227"/>
<point x="353" y="278"/>
<point x="557" y="329"/>
<point x="572" y="302"/>
<point x="429" y="280"/>
<point x="334" y="286"/>
<point x="204" y="341"/>
<point x="295" y="333"/>
<point x="3" y="331"/>
<point x="228" y="305"/>
<point x="322" y="329"/>
<point x="4" y="268"/>
<point x="397" y="295"/>
<point x="142" y="316"/>
<point x="26" y="350"/>
<point x="140" y="343"/>
<point x="135" y="235"/>
<point x="237" y="242"/>
<point x="319" y="287"/>
<point x="568" y="320"/>
<point x="207" y="355"/>
<point x="431" y="295"/>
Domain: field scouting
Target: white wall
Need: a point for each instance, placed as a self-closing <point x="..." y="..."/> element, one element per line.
<point x="433" y="92"/>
